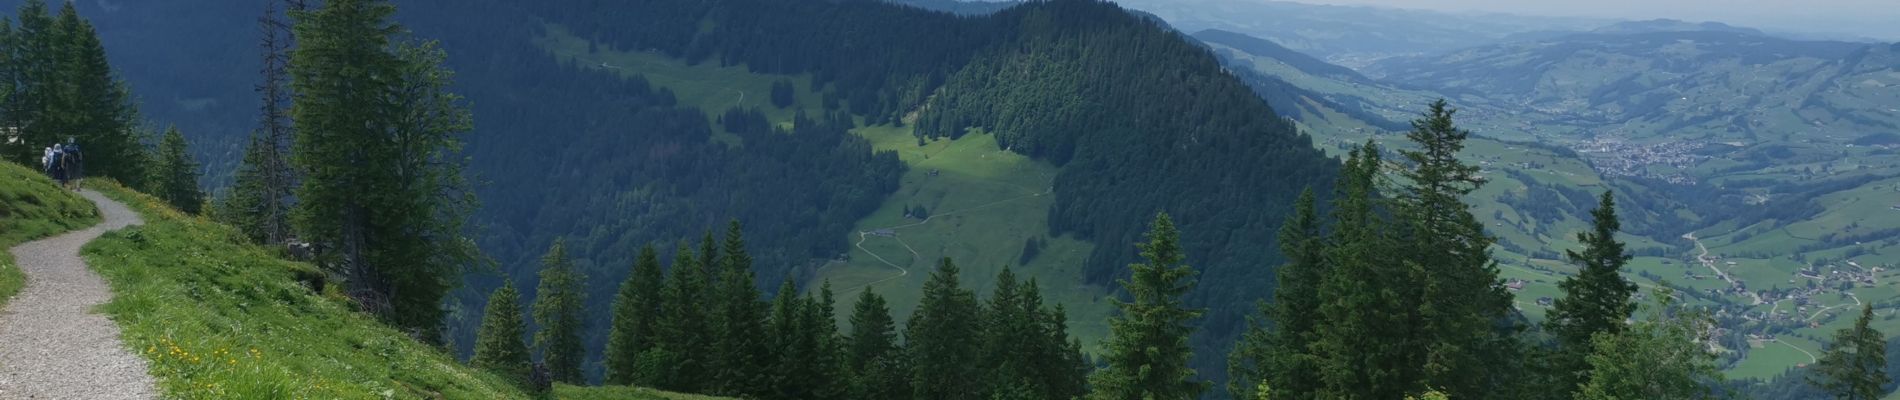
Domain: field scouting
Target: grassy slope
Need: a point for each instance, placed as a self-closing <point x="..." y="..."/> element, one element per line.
<point x="709" y="87"/>
<point x="987" y="198"/>
<point x="985" y="203"/>
<point x="222" y="319"/>
<point x="33" y="207"/>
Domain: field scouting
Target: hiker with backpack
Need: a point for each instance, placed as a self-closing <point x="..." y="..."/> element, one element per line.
<point x="75" y="162"/>
<point x="56" y="164"/>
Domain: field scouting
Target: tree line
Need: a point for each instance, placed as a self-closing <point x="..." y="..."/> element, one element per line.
<point x="700" y="325"/>
<point x="56" y="85"/>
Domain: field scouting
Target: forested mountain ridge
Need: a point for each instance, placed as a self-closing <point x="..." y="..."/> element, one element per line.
<point x="614" y="159"/>
<point x="1137" y="117"/>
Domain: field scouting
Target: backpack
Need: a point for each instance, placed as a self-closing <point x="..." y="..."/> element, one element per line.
<point x="58" y="157"/>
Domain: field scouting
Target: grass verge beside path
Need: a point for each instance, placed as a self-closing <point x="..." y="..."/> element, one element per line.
<point x="222" y="319"/>
<point x="219" y="318"/>
<point x="33" y="207"/>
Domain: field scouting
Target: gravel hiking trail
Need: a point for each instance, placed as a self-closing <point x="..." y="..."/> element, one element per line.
<point x="52" y="344"/>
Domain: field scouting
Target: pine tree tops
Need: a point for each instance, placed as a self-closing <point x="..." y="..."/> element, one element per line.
<point x="1597" y="300"/>
<point x="1855" y="365"/>
<point x="1147" y="351"/>
<point x="944" y="337"/>
<point x="636" y="313"/>
<point x="557" y="311"/>
<point x="499" y="346"/>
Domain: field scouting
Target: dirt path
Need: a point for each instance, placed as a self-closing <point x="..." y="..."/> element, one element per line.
<point x="1710" y="262"/>
<point x="52" y="344"/>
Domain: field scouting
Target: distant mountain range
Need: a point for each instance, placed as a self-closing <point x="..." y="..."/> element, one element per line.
<point x="1718" y="81"/>
<point x="1348" y="35"/>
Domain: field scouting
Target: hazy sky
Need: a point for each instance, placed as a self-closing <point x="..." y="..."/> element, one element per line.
<point x="1872" y="18"/>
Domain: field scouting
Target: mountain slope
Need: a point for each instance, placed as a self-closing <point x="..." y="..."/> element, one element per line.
<point x="617" y="124"/>
<point x="1125" y="151"/>
<point x="1794" y="215"/>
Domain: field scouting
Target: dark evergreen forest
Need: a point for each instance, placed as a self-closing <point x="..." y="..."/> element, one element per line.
<point x="1142" y="119"/>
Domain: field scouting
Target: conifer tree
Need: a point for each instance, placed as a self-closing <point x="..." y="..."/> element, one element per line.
<point x="259" y="203"/>
<point x="557" y="311"/>
<point x="1066" y="375"/>
<point x="636" y="314"/>
<point x="872" y="355"/>
<point x="1460" y="298"/>
<point x="741" y="354"/>
<point x="499" y="346"/>
<point x="1596" y="300"/>
<point x="1364" y="334"/>
<point x="685" y="334"/>
<point x="34" y="47"/>
<point x="944" y="338"/>
<point x="89" y="103"/>
<point x="830" y="380"/>
<point x="1855" y="365"/>
<point x="377" y="134"/>
<point x="1147" y="351"/>
<point x="178" y="174"/>
<point x="1009" y="338"/>
<point x="790" y="344"/>
<point x="1276" y="348"/>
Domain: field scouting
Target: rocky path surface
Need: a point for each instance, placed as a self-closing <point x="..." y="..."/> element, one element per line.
<point x="52" y="344"/>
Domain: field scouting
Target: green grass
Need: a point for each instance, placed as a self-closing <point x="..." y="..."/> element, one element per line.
<point x="710" y="87"/>
<point x="985" y="204"/>
<point x="218" y="318"/>
<point x="1771" y="359"/>
<point x="33" y="207"/>
<point x="565" y="392"/>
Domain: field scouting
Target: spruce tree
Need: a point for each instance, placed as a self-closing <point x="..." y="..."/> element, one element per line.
<point x="791" y="372"/>
<point x="636" y="315"/>
<point x="1855" y="365"/>
<point x="944" y="338"/>
<point x="557" y="311"/>
<point x="872" y="355"/>
<point x="178" y="174"/>
<point x="1595" y="301"/>
<point x="90" y="104"/>
<point x="830" y="379"/>
<point x="35" y="71"/>
<point x="1276" y="348"/>
<point x="376" y="137"/>
<point x="741" y="354"/>
<point x="1010" y="333"/>
<point x="1147" y="351"/>
<point x="685" y="333"/>
<point x="499" y="346"/>
<point x="1459" y="296"/>
<point x="259" y="202"/>
<point x="1365" y="332"/>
